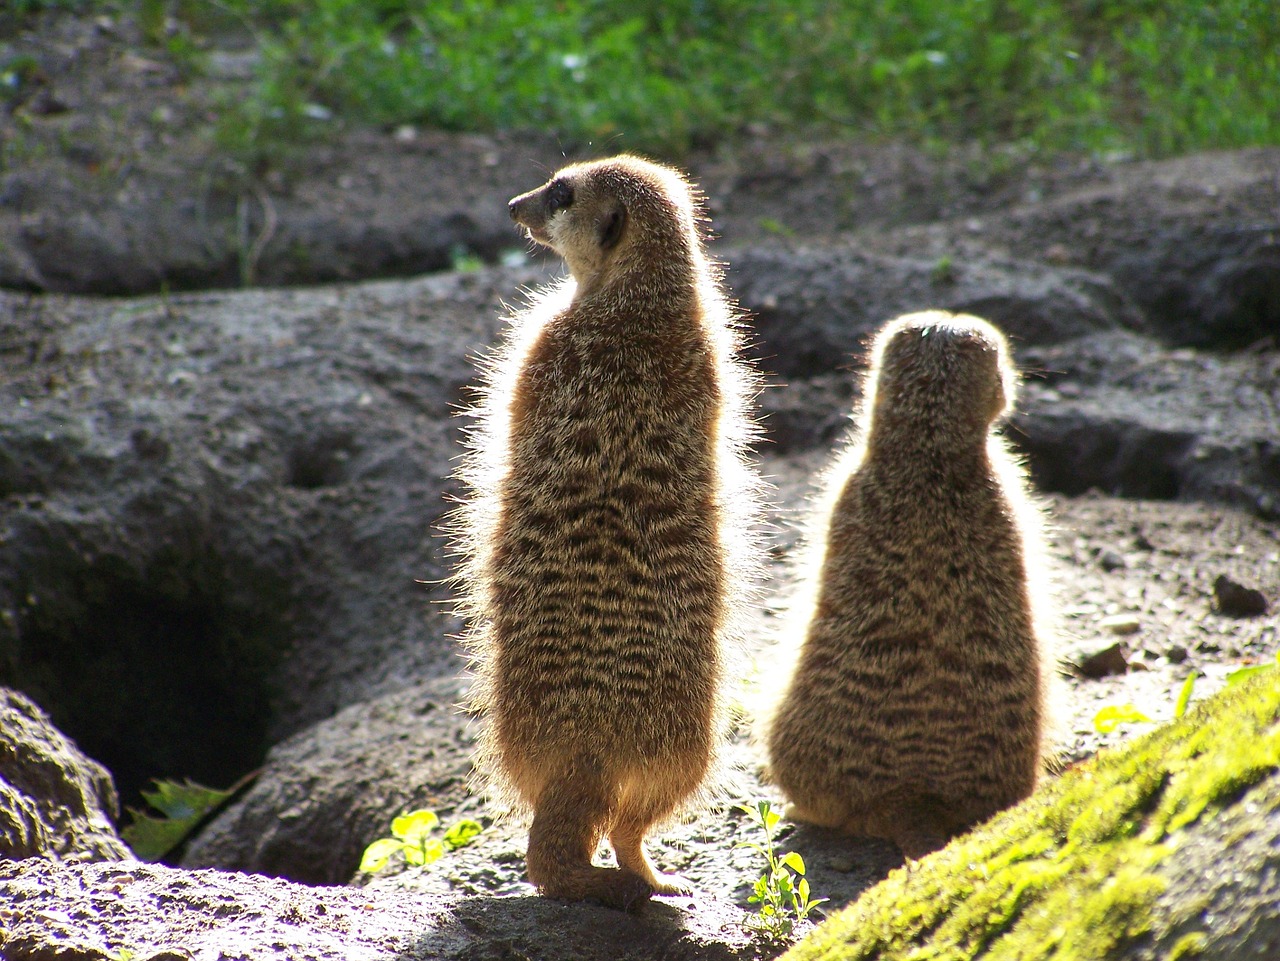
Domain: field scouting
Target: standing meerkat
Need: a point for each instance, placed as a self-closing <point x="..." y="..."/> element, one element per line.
<point x="606" y="537"/>
<point x="918" y="701"/>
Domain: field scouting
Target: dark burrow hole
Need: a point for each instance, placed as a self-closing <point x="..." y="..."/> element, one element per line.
<point x="157" y="671"/>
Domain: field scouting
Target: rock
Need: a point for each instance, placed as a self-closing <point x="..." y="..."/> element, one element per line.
<point x="1104" y="663"/>
<point x="1125" y="623"/>
<point x="329" y="791"/>
<point x="96" y="912"/>
<point x="1072" y="843"/>
<point x="160" y="231"/>
<point x="1190" y="241"/>
<point x="225" y="505"/>
<point x="1098" y="846"/>
<point x="1154" y="423"/>
<point x="1235" y="600"/>
<point x="1110" y="559"/>
<point x="813" y="308"/>
<point x="54" y="801"/>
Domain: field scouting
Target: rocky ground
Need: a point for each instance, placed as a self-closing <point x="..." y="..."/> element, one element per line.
<point x="219" y="509"/>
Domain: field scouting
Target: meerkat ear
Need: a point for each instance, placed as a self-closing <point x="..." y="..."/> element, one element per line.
<point x="611" y="227"/>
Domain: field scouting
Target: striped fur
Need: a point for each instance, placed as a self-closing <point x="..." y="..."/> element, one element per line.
<point x="918" y="701"/>
<point x="607" y="535"/>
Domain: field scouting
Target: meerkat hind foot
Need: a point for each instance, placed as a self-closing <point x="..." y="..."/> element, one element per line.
<point x="611" y="887"/>
<point x="629" y="850"/>
<point x="671" y="884"/>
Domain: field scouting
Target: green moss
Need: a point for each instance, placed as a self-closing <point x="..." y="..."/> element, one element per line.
<point x="1188" y="946"/>
<point x="1069" y="873"/>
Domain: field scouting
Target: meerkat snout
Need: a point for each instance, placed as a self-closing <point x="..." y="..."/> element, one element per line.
<point x="534" y="210"/>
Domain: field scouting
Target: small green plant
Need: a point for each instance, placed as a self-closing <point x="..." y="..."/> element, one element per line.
<point x="464" y="260"/>
<point x="783" y="900"/>
<point x="185" y="807"/>
<point x="1236" y="676"/>
<point x="410" y="836"/>
<point x="1116" y="715"/>
<point x="944" y="270"/>
<point x="774" y="226"/>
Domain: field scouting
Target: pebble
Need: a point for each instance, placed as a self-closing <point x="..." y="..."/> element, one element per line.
<point x="1121" y="624"/>
<point x="1111" y="560"/>
<point x="1104" y="663"/>
<point x="1231" y="599"/>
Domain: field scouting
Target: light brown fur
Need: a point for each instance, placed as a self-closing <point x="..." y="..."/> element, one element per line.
<point x="918" y="702"/>
<point x="608" y="530"/>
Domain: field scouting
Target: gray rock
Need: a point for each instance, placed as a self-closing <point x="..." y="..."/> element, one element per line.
<point x="327" y="792"/>
<point x="224" y="507"/>
<point x="1190" y="241"/>
<point x="54" y="801"/>
<point x="1146" y="421"/>
<point x="813" y="308"/>
<point x="79" y="912"/>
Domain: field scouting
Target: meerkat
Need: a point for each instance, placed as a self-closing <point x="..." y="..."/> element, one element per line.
<point x="607" y="534"/>
<point x="918" y="702"/>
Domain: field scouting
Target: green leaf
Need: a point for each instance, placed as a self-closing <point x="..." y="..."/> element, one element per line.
<point x="378" y="853"/>
<point x="184" y="806"/>
<point x="1244" y="673"/>
<point x="412" y="826"/>
<point x="427" y="852"/>
<point x="803" y="890"/>
<point x="770" y="817"/>
<point x="432" y="851"/>
<point x="461" y="834"/>
<point x="1112" y="716"/>
<point x="1184" y="696"/>
<point x="784" y="885"/>
<point x="794" y="861"/>
<point x="755" y="811"/>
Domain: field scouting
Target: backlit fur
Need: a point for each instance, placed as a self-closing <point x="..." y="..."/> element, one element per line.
<point x="608" y="533"/>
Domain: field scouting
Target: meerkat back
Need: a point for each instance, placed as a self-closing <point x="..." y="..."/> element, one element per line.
<point x="918" y="701"/>
<point x="607" y="535"/>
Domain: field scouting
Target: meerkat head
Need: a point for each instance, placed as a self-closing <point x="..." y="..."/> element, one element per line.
<point x="951" y="365"/>
<point x="592" y="214"/>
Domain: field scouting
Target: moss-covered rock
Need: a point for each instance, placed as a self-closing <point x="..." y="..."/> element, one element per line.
<point x="1094" y="866"/>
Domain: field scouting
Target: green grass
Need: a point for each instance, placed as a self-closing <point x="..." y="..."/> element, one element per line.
<point x="1152" y="77"/>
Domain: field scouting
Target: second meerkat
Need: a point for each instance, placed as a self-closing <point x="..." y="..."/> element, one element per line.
<point x="607" y="532"/>
<point x="918" y="701"/>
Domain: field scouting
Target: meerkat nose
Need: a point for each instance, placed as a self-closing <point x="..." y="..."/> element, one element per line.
<point x="512" y="208"/>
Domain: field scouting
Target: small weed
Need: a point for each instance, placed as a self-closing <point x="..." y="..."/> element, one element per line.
<point x="774" y="226"/>
<point x="464" y="260"/>
<point x="944" y="270"/>
<point x="410" y="837"/>
<point x="185" y="807"/>
<point x="1113" y="716"/>
<point x="1235" y="677"/>
<point x="783" y="900"/>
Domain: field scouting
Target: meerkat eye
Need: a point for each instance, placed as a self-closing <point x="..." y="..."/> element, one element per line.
<point x="559" y="196"/>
